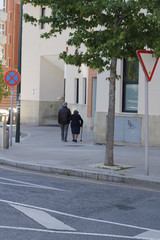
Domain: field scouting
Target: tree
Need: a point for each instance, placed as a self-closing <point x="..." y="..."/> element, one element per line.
<point x="109" y="30"/>
<point x="3" y="92"/>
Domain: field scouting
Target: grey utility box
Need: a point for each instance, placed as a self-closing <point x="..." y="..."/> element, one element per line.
<point x="4" y="135"/>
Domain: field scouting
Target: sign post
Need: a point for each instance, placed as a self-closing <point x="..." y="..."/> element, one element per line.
<point x="12" y="78"/>
<point x="148" y="63"/>
<point x="146" y="128"/>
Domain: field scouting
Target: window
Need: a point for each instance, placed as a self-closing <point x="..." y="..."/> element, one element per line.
<point x="84" y="90"/>
<point x="2" y="28"/>
<point x="3" y="5"/>
<point x="76" y="90"/>
<point x="130" y="85"/>
<point x="42" y="15"/>
<point x="2" y="54"/>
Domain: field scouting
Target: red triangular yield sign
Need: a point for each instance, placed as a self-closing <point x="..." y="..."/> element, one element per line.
<point x="148" y="62"/>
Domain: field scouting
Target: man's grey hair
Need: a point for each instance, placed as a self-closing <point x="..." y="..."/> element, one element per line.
<point x="65" y="104"/>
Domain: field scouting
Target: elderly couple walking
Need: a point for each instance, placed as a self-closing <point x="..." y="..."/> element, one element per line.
<point x="64" y="118"/>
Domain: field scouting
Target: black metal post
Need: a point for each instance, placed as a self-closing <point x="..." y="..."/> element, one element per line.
<point x="17" y="137"/>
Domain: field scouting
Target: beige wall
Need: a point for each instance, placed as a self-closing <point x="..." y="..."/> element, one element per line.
<point x="48" y="112"/>
<point x="30" y="112"/>
<point x="51" y="81"/>
<point x="71" y="74"/>
<point x="154" y="129"/>
<point x="42" y="78"/>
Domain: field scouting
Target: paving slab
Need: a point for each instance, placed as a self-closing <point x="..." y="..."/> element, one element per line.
<point x="41" y="149"/>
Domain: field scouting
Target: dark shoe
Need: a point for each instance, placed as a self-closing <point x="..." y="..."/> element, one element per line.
<point x="65" y="140"/>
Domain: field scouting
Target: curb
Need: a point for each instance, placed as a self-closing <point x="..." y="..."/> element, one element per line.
<point x="145" y="182"/>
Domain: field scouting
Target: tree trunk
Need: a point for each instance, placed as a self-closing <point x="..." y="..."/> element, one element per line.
<point x="109" y="160"/>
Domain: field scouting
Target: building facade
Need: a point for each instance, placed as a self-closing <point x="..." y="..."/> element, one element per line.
<point x="9" y="40"/>
<point x="48" y="81"/>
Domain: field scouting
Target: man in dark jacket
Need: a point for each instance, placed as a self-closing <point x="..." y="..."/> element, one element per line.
<point x="64" y="116"/>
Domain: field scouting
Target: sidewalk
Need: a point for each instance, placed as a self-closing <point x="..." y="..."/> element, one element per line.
<point x="41" y="149"/>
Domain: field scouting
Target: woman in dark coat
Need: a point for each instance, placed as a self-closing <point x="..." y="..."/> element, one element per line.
<point x="76" y="123"/>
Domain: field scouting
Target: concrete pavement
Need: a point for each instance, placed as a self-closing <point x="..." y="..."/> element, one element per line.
<point x="41" y="149"/>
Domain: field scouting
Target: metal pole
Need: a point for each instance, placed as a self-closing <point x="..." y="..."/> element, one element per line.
<point x="11" y="117"/>
<point x="17" y="137"/>
<point x="13" y="65"/>
<point x="146" y="128"/>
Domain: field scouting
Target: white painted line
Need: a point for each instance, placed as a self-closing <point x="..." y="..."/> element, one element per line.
<point x="76" y="233"/>
<point x="32" y="185"/>
<point x="150" y="234"/>
<point x="17" y="185"/>
<point x="78" y="217"/>
<point x="24" y="185"/>
<point x="43" y="218"/>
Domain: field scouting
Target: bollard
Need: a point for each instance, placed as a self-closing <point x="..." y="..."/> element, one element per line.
<point x="4" y="135"/>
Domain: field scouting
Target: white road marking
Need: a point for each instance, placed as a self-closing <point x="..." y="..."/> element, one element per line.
<point x="43" y="218"/>
<point x="31" y="184"/>
<point x="78" y="217"/>
<point x="17" y="185"/>
<point x="76" y="233"/>
<point x="150" y="234"/>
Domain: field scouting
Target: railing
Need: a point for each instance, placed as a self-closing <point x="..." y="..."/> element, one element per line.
<point x="3" y="16"/>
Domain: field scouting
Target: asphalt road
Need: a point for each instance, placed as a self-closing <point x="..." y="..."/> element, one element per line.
<point x="40" y="206"/>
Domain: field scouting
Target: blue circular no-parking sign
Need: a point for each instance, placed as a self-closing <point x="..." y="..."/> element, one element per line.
<point x="12" y="78"/>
